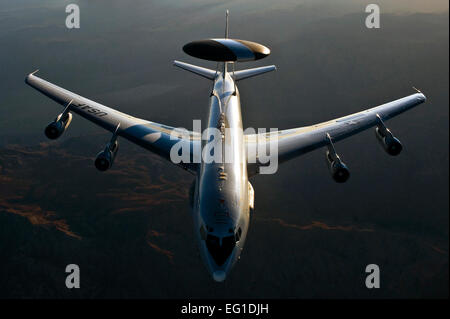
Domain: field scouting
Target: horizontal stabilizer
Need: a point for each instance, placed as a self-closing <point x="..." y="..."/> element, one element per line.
<point x="206" y="73"/>
<point x="244" y="74"/>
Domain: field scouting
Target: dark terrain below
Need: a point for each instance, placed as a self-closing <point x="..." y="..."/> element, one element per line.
<point x="130" y="231"/>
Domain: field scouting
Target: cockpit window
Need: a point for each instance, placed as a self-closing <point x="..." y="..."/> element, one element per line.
<point x="220" y="248"/>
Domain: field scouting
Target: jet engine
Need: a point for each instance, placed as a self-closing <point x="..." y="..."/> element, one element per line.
<point x="388" y="141"/>
<point x="105" y="158"/>
<point x="56" y="128"/>
<point x="338" y="170"/>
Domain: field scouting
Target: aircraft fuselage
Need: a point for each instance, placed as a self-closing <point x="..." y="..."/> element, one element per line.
<point x="221" y="199"/>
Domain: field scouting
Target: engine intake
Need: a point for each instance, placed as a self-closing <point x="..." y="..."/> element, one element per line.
<point x="56" y="128"/>
<point x="105" y="158"/>
<point x="387" y="140"/>
<point x="338" y="170"/>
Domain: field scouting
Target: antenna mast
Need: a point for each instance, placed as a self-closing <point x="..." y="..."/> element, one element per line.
<point x="227" y="13"/>
<point x="226" y="23"/>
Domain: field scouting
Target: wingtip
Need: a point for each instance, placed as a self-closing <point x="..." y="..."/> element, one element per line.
<point x="30" y="75"/>
<point x="424" y="98"/>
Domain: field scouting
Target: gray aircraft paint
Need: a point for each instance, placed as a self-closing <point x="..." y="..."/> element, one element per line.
<point x="222" y="203"/>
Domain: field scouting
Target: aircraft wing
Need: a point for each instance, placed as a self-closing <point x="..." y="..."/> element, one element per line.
<point x="297" y="141"/>
<point x="152" y="136"/>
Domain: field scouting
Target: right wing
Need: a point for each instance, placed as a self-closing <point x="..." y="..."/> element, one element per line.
<point x="152" y="136"/>
<point x="297" y="141"/>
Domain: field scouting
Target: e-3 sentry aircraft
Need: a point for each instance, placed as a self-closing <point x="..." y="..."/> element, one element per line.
<point x="221" y="197"/>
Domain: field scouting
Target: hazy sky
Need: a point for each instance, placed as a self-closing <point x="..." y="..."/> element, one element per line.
<point x="140" y="40"/>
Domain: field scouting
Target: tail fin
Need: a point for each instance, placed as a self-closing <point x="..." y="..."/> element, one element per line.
<point x="248" y="73"/>
<point x="206" y="73"/>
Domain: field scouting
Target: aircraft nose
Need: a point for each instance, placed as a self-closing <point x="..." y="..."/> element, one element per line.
<point x="219" y="253"/>
<point x="219" y="275"/>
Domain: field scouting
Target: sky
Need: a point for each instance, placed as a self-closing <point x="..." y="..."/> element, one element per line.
<point x="313" y="235"/>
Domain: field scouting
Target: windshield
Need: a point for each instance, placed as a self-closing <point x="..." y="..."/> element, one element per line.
<point x="220" y="250"/>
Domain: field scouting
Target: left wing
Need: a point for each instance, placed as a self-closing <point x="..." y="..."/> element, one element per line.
<point x="298" y="141"/>
<point x="152" y="136"/>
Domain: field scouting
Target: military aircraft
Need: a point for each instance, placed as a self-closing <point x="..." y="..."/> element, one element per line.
<point x="221" y="196"/>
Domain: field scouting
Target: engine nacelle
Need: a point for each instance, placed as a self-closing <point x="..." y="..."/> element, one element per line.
<point x="56" y="128"/>
<point x="105" y="158"/>
<point x="338" y="170"/>
<point x="389" y="142"/>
